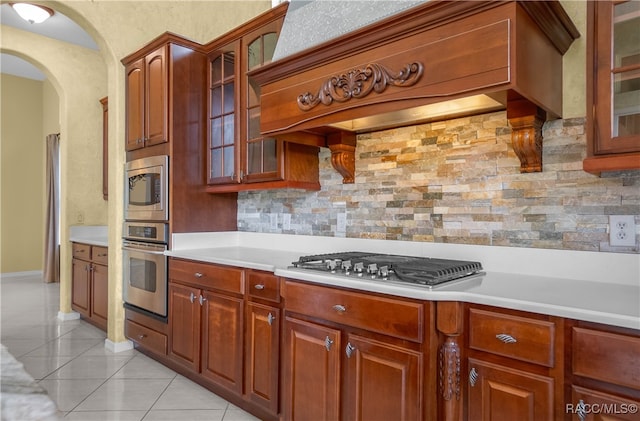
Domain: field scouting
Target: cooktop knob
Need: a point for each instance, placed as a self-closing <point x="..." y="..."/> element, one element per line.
<point x="358" y="268"/>
<point x="372" y="269"/>
<point x="346" y="266"/>
<point x="384" y="271"/>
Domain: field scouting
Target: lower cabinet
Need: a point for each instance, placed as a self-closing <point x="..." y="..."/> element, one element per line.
<point x="90" y="283"/>
<point x="511" y="366"/>
<point x="339" y="371"/>
<point x="149" y="334"/>
<point x="605" y="368"/>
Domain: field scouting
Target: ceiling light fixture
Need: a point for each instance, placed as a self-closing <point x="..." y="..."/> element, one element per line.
<point x="32" y="13"/>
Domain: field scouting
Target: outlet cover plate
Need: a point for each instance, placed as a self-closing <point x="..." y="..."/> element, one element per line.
<point x="622" y="230"/>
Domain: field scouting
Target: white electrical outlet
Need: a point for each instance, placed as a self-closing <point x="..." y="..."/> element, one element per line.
<point x="273" y="221"/>
<point x="622" y="230"/>
<point x="341" y="223"/>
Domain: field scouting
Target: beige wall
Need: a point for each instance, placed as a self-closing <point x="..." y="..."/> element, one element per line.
<point x="21" y="174"/>
<point x="80" y="77"/>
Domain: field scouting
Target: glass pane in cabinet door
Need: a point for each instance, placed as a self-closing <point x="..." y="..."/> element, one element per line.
<point x="216" y="101"/>
<point x="626" y="104"/>
<point x="253" y="92"/>
<point x="216" y="132"/>
<point x="269" y="41"/>
<point x="229" y="155"/>
<point x="216" y="70"/>
<point x="270" y="155"/>
<point x="254" y="157"/>
<point x="626" y="33"/>
<point x="216" y="163"/>
<point x="229" y="99"/>
<point x="229" y="65"/>
<point x="254" y="54"/>
<point x="253" y="117"/>
<point x="228" y="130"/>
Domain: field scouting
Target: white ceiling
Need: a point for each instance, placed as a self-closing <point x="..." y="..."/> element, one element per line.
<point x="58" y="26"/>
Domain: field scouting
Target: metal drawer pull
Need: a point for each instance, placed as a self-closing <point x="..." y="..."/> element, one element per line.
<point x="258" y="286"/>
<point x="142" y="336"/>
<point x="198" y="275"/>
<point x="270" y="319"/>
<point x="327" y="343"/>
<point x="192" y="297"/>
<point x="507" y="339"/>
<point x="201" y="299"/>
<point x="473" y="377"/>
<point x="349" y="349"/>
<point x="339" y="308"/>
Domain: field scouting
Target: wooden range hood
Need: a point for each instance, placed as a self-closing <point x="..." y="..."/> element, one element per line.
<point x="509" y="51"/>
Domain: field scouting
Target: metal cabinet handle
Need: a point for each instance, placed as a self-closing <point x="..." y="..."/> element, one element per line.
<point x="259" y="286"/>
<point x="192" y="297"/>
<point x="349" y="349"/>
<point x="339" y="308"/>
<point x="201" y="300"/>
<point x="270" y="319"/>
<point x="327" y="343"/>
<point x="507" y="339"/>
<point x="198" y="275"/>
<point x="142" y="336"/>
<point x="473" y="377"/>
<point x="581" y="410"/>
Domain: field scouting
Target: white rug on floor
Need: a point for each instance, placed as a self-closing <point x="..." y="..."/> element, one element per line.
<point x="21" y="397"/>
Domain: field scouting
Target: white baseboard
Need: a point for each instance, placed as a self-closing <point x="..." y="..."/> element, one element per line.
<point x="118" y="346"/>
<point x="68" y="316"/>
<point x="25" y="274"/>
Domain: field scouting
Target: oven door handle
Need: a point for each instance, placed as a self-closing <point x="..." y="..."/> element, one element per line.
<point x="142" y="250"/>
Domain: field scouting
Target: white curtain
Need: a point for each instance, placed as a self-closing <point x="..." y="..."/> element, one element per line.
<point x="51" y="269"/>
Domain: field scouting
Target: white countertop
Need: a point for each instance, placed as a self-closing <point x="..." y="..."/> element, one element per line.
<point x="596" y="287"/>
<point x="95" y="235"/>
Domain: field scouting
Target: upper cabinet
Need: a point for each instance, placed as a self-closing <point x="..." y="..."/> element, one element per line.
<point x="238" y="156"/>
<point x="613" y="86"/>
<point x="147" y="99"/>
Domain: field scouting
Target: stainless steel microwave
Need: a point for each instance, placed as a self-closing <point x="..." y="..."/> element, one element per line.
<point x="147" y="189"/>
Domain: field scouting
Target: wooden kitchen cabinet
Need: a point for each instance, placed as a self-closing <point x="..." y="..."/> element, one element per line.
<point x="351" y="355"/>
<point x="262" y="340"/>
<point x="148" y="333"/>
<point x="239" y="157"/>
<point x="613" y="86"/>
<point x="90" y="283"/>
<point x="512" y="367"/>
<point x="206" y="320"/>
<point x="147" y="111"/>
<point x="605" y="373"/>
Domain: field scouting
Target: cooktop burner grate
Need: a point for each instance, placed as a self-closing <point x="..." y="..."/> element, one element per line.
<point x="390" y="267"/>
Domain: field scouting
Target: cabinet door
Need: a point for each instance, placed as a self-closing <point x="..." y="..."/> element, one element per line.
<point x="382" y="381"/>
<point x="100" y="294"/>
<point x="591" y="405"/>
<point x="80" y="286"/>
<point x="222" y="340"/>
<point x="262" y="355"/>
<point x="156" y="96"/>
<point x="135" y="105"/>
<point x="184" y="325"/>
<point x="498" y="393"/>
<point x="311" y="384"/>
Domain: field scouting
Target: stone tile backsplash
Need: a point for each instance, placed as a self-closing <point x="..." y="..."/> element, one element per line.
<point x="457" y="181"/>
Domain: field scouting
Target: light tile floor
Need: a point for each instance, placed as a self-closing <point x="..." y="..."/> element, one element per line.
<point x="86" y="381"/>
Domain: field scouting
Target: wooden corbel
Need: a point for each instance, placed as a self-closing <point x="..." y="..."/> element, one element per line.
<point x="526" y="120"/>
<point x="343" y="154"/>
<point x="449" y="323"/>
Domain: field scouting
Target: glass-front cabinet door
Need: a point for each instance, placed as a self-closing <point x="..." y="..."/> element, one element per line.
<point x="223" y="104"/>
<point x="613" y="93"/>
<point x="261" y="154"/>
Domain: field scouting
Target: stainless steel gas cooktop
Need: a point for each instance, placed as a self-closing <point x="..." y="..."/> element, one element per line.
<point x="422" y="271"/>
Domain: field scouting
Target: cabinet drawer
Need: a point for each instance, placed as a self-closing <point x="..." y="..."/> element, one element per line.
<point x="389" y="316"/>
<point x="100" y="254"/>
<point x="263" y="285"/>
<point x="517" y="337"/>
<point x="146" y="338"/>
<point x="224" y="278"/>
<point x="610" y="357"/>
<point x="81" y="251"/>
